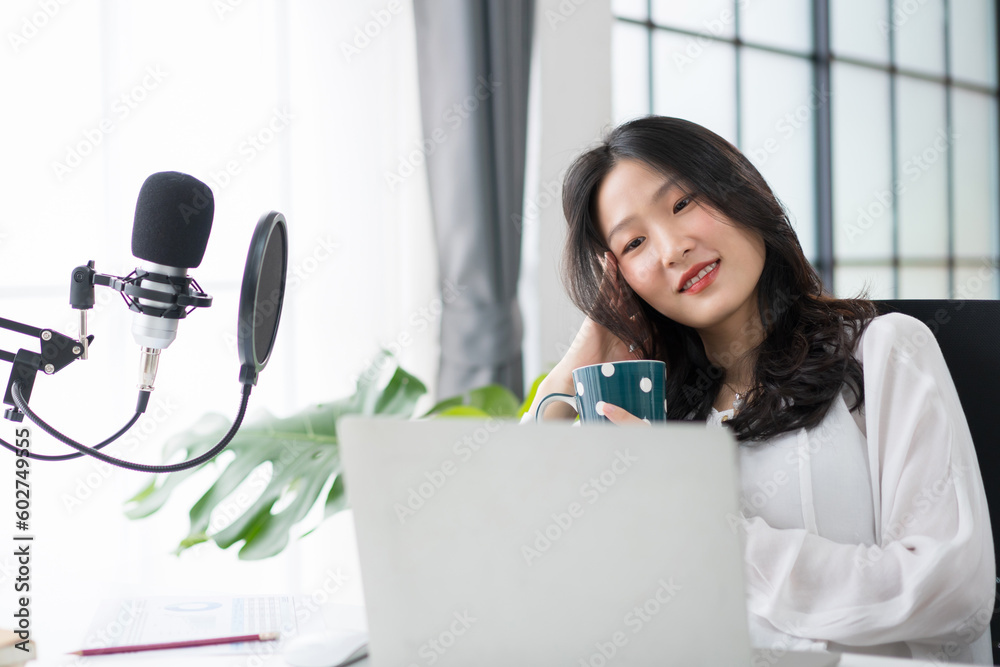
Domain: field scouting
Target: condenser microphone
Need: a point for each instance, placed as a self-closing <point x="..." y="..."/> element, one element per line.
<point x="173" y="219"/>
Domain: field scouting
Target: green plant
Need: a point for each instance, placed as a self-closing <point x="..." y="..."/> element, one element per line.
<point x="303" y="455"/>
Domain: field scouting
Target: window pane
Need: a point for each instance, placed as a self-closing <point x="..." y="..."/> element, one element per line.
<point x="782" y="23"/>
<point x="710" y="17"/>
<point x="695" y="83"/>
<point x="877" y="282"/>
<point x="923" y="282"/>
<point x="630" y="9"/>
<point x="860" y="29"/>
<point x="919" y="34"/>
<point x="862" y="195"/>
<point x="979" y="282"/>
<point x="779" y="109"/>
<point x="630" y="70"/>
<point x="973" y="41"/>
<point x="922" y="168"/>
<point x="974" y="118"/>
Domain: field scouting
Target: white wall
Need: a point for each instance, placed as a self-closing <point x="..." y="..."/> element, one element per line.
<point x="570" y="107"/>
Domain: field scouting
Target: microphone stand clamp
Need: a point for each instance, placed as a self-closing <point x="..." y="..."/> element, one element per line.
<point x="57" y="352"/>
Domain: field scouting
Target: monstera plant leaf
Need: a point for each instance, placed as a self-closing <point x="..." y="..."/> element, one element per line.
<point x="294" y="459"/>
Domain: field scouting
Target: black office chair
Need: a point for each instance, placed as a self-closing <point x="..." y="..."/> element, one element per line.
<point x="968" y="333"/>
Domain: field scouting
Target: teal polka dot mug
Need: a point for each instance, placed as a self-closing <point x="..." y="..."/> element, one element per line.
<point x="637" y="386"/>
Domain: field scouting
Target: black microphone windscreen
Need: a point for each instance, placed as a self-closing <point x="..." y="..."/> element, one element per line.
<point x="173" y="218"/>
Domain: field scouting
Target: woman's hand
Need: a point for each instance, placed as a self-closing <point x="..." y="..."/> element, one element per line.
<point x="617" y="415"/>
<point x="593" y="344"/>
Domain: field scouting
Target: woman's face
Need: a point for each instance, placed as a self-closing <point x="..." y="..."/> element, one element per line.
<point x="663" y="240"/>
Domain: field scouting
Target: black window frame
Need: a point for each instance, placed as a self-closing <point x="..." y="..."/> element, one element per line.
<point x="822" y="59"/>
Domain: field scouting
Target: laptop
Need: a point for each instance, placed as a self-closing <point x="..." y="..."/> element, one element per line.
<point x="493" y="543"/>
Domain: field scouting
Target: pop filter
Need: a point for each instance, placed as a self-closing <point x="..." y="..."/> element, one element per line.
<point x="262" y="295"/>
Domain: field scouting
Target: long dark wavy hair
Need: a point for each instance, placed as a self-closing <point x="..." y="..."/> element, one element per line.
<point x="805" y="359"/>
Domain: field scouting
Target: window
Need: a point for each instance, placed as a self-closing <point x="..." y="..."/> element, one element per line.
<point x="874" y="123"/>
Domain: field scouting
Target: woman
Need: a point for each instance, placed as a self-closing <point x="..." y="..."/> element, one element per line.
<point x="866" y="525"/>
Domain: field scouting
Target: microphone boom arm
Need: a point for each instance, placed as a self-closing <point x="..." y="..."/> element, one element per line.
<point x="57" y="352"/>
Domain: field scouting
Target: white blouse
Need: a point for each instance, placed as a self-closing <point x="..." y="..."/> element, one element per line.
<point x="870" y="533"/>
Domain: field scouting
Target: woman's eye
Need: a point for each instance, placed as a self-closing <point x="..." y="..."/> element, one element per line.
<point x="633" y="244"/>
<point x="681" y="204"/>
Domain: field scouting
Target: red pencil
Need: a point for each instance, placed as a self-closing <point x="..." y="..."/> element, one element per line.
<point x="262" y="637"/>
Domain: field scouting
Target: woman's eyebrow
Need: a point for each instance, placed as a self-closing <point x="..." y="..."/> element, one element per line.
<point x="661" y="191"/>
<point x="667" y="186"/>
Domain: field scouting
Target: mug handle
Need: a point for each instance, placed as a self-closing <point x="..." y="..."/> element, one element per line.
<point x="565" y="398"/>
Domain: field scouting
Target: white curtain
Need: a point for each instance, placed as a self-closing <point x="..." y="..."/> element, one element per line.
<point x="304" y="107"/>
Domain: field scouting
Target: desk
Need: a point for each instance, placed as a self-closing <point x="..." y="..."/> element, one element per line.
<point x="275" y="661"/>
<point x="334" y="614"/>
<point x="161" y="660"/>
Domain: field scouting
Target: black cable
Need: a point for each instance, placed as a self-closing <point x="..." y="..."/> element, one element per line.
<point x="66" y="457"/>
<point x="138" y="467"/>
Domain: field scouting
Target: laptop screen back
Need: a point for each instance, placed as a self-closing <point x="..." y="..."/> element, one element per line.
<point x="484" y="542"/>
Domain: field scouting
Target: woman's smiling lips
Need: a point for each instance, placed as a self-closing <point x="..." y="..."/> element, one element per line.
<point x="705" y="280"/>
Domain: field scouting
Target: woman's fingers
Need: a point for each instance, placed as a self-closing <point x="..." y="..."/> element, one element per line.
<point x="617" y="415"/>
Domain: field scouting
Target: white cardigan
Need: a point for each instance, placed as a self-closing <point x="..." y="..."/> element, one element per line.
<point x="870" y="533"/>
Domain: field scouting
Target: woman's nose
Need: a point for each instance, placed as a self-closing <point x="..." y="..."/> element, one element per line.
<point x="668" y="249"/>
<point x="671" y="245"/>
